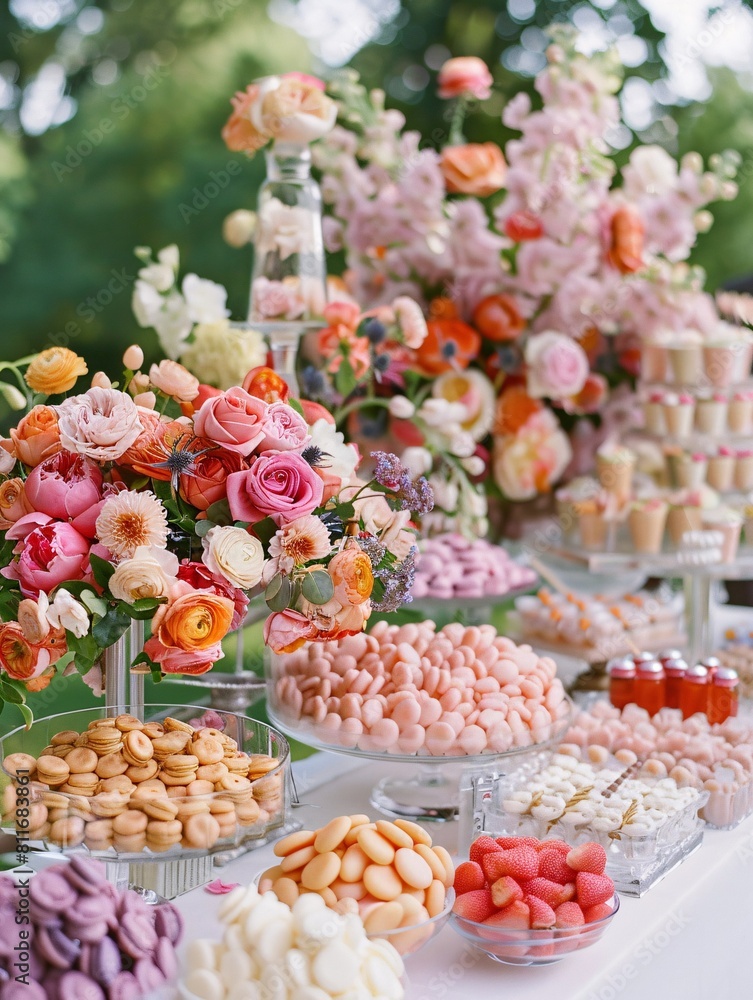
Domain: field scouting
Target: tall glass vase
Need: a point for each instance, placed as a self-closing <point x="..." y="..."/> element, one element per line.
<point x="288" y="282"/>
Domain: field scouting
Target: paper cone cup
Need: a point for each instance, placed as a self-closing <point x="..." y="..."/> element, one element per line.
<point x="731" y="536"/>
<point x="616" y="477"/>
<point x="653" y="418"/>
<point x="744" y="473"/>
<point x="711" y="416"/>
<point x="685" y="363"/>
<point x="654" y="363"/>
<point x="721" y="472"/>
<point x="593" y="530"/>
<point x="679" y="420"/>
<point x="721" y="363"/>
<point x="647" y="528"/>
<point x="682" y="519"/>
<point x="740" y="416"/>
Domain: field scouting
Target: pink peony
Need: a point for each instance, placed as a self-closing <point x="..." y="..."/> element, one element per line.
<point x="530" y="461"/>
<point x="101" y="424"/>
<point x="49" y="553"/>
<point x="180" y="661"/>
<point x="174" y="380"/>
<point x="276" y="300"/>
<point x="67" y="487"/>
<point x="557" y="366"/>
<point x="234" y="419"/>
<point x="466" y="76"/>
<point x="286" y="631"/>
<point x="281" y="485"/>
<point x="284" y="429"/>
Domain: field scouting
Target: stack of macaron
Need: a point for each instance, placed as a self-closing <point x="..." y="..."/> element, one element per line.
<point x="128" y="785"/>
<point x="450" y="566"/>
<point x="415" y="690"/>
<point x="82" y="939"/>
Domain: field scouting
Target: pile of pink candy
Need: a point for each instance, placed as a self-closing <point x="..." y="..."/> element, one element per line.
<point x="718" y="758"/>
<point x="413" y="690"/>
<point x="450" y="566"/>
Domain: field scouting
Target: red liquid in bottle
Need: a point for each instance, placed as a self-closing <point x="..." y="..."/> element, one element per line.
<point x="694" y="695"/>
<point x="675" y="670"/>
<point x="723" y="700"/>
<point x="621" y="682"/>
<point x="650" y="686"/>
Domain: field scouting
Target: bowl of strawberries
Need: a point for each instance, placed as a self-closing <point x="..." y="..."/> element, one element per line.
<point x="525" y="901"/>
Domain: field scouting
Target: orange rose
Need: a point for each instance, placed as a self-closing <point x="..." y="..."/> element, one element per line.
<point x="206" y="484"/>
<point x="13" y="502"/>
<point x="240" y="135"/>
<point x="195" y="620"/>
<point x="37" y="436"/>
<point x="55" y="370"/>
<point x="149" y="452"/>
<point x="351" y="574"/>
<point x="626" y="249"/>
<point x="478" y="168"/>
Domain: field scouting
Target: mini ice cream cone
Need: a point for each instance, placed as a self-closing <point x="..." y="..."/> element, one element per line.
<point x="685" y="363"/>
<point x="653" y="414"/>
<point x="691" y="471"/>
<point x="729" y="523"/>
<point x="654" y="362"/>
<point x="721" y="470"/>
<point x="740" y="413"/>
<point x="646" y="521"/>
<point x="678" y="414"/>
<point x="743" y="478"/>
<point x="614" y="467"/>
<point x="711" y="414"/>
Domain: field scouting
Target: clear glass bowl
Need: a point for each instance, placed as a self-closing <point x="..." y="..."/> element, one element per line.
<point x="65" y="821"/>
<point x="408" y="940"/>
<point x="531" y="947"/>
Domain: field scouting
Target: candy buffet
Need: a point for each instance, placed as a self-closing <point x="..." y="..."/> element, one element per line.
<point x="529" y="752"/>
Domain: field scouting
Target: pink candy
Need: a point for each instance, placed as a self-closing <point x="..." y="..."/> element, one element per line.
<point x="451" y="566"/>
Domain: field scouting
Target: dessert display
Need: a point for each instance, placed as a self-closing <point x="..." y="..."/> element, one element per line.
<point x="685" y="359"/>
<point x="452" y="566"/>
<point x="526" y="901"/>
<point x="84" y="939"/>
<point x="738" y="656"/>
<point x="388" y="872"/>
<point x="695" y="753"/>
<point x="122" y="787"/>
<point x="597" y="628"/>
<point x="415" y="691"/>
<point x="289" y="951"/>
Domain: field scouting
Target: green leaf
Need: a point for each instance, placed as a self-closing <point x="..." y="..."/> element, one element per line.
<point x="85" y="651"/>
<point x="102" y="570"/>
<point x="27" y="714"/>
<point x="345" y="378"/>
<point x="295" y="405"/>
<point x="93" y="603"/>
<point x="10" y="693"/>
<point x="219" y="512"/>
<point x="155" y="668"/>
<point x="278" y="593"/>
<point x="143" y="609"/>
<point x="110" y="628"/>
<point x="264" y="531"/>
<point x="317" y="587"/>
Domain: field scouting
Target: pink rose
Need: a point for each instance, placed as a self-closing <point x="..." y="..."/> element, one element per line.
<point x="276" y="300"/>
<point x="284" y="429"/>
<point x="181" y="661"/>
<point x="286" y="631"/>
<point x="67" y="487"/>
<point x="466" y="76"/>
<point x="101" y="424"/>
<point x="233" y="419"/>
<point x="174" y="380"/>
<point x="50" y="552"/>
<point x="282" y="485"/>
<point x="557" y="366"/>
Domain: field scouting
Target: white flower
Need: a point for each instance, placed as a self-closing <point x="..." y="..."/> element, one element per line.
<point x="173" y="325"/>
<point x="401" y="408"/>
<point x="285" y="230"/>
<point x="170" y="256"/>
<point x="302" y="541"/>
<point x="446" y="493"/>
<point x="146" y="303"/>
<point x="462" y="444"/>
<point x="234" y="554"/>
<point x="474" y="465"/>
<point x="223" y="356"/>
<point x="239" y="227"/>
<point x="68" y="613"/>
<point x="417" y="460"/>
<point x="651" y="170"/>
<point x="159" y="276"/>
<point x="205" y="300"/>
<point x="150" y="572"/>
<point x="441" y="413"/>
<point x="130" y="520"/>
<point x="476" y="393"/>
<point x="7" y="461"/>
<point x="340" y="459"/>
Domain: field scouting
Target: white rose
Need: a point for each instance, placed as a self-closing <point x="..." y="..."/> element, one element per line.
<point x="150" y="572"/>
<point x="239" y="227"/>
<point x="401" y="408"/>
<point x="173" y="325"/>
<point x="441" y="413"/>
<point x="205" y="300"/>
<point x="66" y="612"/>
<point x="7" y="461"/>
<point x="417" y="460"/>
<point x="146" y="303"/>
<point x="233" y="553"/>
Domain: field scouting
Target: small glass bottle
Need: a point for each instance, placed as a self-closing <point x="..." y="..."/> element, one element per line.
<point x="650" y="685"/>
<point x="669" y="654"/>
<point x="674" y="669"/>
<point x="621" y="672"/>
<point x="712" y="664"/>
<point x="723" y="695"/>
<point x="694" y="695"/>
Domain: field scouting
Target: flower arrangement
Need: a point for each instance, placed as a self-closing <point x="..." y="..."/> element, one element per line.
<point x="538" y="266"/>
<point x="173" y="502"/>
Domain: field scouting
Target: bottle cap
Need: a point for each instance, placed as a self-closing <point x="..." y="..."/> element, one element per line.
<point x="652" y="669"/>
<point x="726" y="677"/>
<point x="669" y="654"/>
<point x="643" y="657"/>
<point x="711" y="662"/>
<point x="621" y="666"/>
<point x="697" y="674"/>
<point x="675" y="667"/>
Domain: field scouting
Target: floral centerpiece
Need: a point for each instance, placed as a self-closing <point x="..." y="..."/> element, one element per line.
<point x="169" y="501"/>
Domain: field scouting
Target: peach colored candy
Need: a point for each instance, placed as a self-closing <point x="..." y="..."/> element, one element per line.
<point x="321" y="871"/>
<point x="332" y="835"/>
<point x="382" y="881"/>
<point x="348" y="890"/>
<point x="407" y="712"/>
<point x="371" y="713"/>
<point x="455" y="720"/>
<point x="384" y="734"/>
<point x="473" y="740"/>
<point x="350" y="732"/>
<point x="376" y="847"/>
<point x="412" y="868"/>
<point x="431" y="711"/>
<point x="450" y="700"/>
<point x="439" y="738"/>
<point x="436" y="896"/>
<point x="411" y="739"/>
<point x="351" y="706"/>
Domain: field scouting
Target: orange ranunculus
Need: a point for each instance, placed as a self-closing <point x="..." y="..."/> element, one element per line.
<point x="240" y="135"/>
<point x="192" y="620"/>
<point x="450" y="344"/>
<point x="626" y="247"/>
<point x="442" y="308"/>
<point x="349" y="621"/>
<point x="266" y="384"/>
<point x="23" y="660"/>
<point x="352" y="576"/>
<point x="514" y="407"/>
<point x="149" y="452"/>
<point x="498" y="318"/>
<point x="55" y="370"/>
<point x="36" y="436"/>
<point x="41" y="682"/>
<point x="13" y="502"/>
<point x="206" y="483"/>
<point x="478" y="168"/>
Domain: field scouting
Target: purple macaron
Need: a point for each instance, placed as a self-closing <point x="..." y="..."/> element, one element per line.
<point x="86" y="875"/>
<point x="90" y="918"/>
<point x="148" y="975"/>
<point x="20" y="991"/>
<point x="124" y="987"/>
<point x="77" y="986"/>
<point x="136" y="934"/>
<point x="101" y="961"/>
<point x="168" y="922"/>
<point x="166" y="959"/>
<point x="56" y="947"/>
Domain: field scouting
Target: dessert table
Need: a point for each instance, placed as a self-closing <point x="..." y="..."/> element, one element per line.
<point x="688" y="937"/>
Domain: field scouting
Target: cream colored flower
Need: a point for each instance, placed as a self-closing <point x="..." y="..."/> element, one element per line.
<point x="222" y="355"/>
<point x="234" y="554"/>
<point x="68" y="613"/>
<point x="150" y="572"/>
<point x="130" y="520"/>
<point x="174" y="380"/>
<point x="301" y="541"/>
<point x="32" y="617"/>
<point x="411" y="321"/>
<point x="474" y="390"/>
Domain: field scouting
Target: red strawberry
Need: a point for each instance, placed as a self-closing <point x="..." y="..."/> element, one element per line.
<point x="542" y="915"/>
<point x="569" y="915"/>
<point x="505" y="891"/>
<point x="480" y="846"/>
<point x="468" y="876"/>
<point x="556" y="845"/>
<point x="552" y="865"/>
<point x="568" y="892"/>
<point x="593" y="889"/>
<point x="592" y="913"/>
<point x="476" y="905"/>
<point x="516" y="916"/>
<point x="520" y="862"/>
<point x="508" y="843"/>
<point x="551" y="892"/>
<point x="590" y="857"/>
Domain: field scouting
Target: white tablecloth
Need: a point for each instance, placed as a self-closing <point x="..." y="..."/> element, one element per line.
<point x="689" y="938"/>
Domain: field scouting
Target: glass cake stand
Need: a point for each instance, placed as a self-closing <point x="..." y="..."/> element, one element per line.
<point x="468" y="610"/>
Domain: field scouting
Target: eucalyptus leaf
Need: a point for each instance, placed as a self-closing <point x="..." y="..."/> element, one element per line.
<point x="204" y="527"/>
<point x="28" y="715"/>
<point x="278" y="593"/>
<point x="317" y="587"/>
<point x="10" y="694"/>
